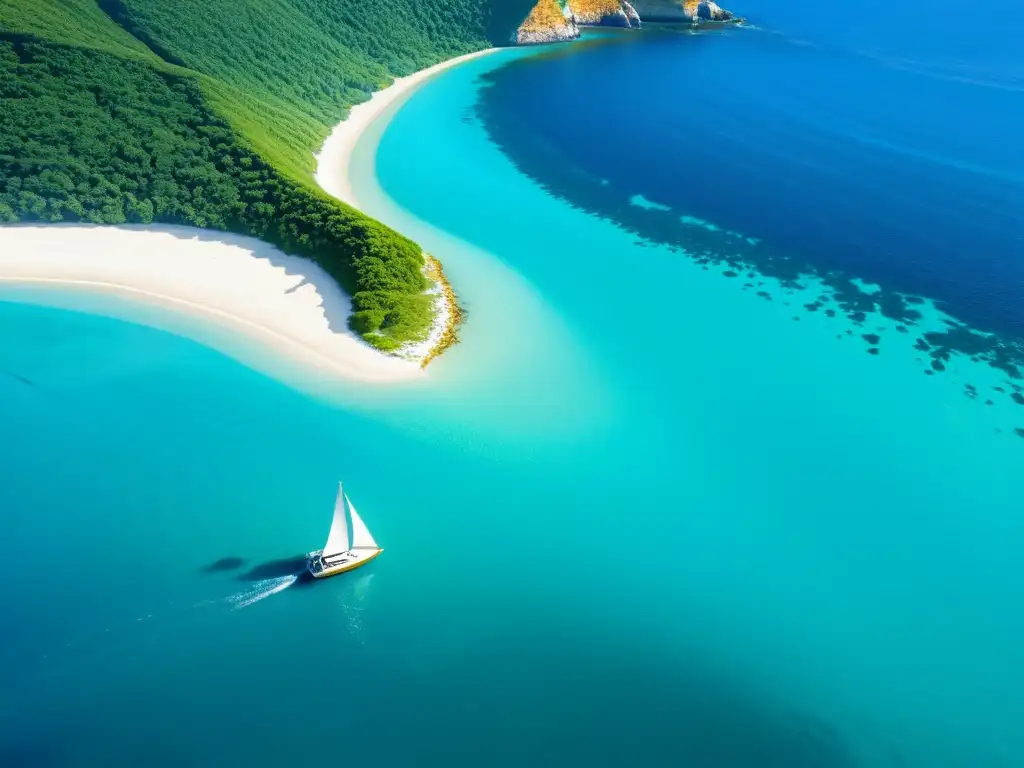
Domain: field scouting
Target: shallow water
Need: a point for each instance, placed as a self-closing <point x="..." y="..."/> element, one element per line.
<point x="733" y="540"/>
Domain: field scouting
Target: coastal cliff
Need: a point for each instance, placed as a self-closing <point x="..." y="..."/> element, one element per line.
<point x="556" y="20"/>
<point x="692" y="11"/>
<point x="550" y="21"/>
<point x="605" y="13"/>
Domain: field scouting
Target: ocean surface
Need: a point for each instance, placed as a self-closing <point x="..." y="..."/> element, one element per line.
<point x="657" y="508"/>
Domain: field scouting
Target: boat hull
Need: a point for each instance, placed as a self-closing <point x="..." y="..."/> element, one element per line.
<point x="320" y="572"/>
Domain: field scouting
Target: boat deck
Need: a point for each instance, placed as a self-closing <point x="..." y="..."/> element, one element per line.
<point x="338" y="563"/>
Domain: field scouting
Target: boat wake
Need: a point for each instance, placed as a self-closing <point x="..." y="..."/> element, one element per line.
<point x="261" y="590"/>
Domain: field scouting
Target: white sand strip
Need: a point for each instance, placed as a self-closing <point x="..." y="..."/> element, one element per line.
<point x="286" y="302"/>
<point x="335" y="157"/>
<point x="333" y="174"/>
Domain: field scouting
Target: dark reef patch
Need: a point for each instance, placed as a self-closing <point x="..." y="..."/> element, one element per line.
<point x="872" y="350"/>
<point x="1018" y="398"/>
<point x="731" y="273"/>
<point x="871" y="338"/>
<point x="1019" y="431"/>
<point x="549" y="152"/>
<point x="894" y="307"/>
<point x="937" y="365"/>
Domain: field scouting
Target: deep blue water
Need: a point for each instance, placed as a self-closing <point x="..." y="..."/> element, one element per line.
<point x="847" y="140"/>
<point x="726" y="538"/>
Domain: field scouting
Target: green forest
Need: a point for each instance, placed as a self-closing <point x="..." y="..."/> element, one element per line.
<point x="208" y="112"/>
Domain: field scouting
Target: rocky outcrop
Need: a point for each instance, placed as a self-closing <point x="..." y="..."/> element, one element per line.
<point x="692" y="11"/>
<point x="604" y="13"/>
<point x="554" y="20"/>
<point x="550" y="21"/>
<point x="631" y="14"/>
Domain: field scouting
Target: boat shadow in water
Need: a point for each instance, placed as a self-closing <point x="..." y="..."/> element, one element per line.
<point x="223" y="565"/>
<point x="275" y="569"/>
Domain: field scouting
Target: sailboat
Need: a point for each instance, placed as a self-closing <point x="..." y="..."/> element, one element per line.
<point x="342" y="553"/>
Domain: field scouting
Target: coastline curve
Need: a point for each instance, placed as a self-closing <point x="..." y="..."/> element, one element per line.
<point x="333" y="175"/>
<point x="288" y="304"/>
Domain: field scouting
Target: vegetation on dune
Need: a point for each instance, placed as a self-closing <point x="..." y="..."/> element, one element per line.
<point x="208" y="114"/>
<point x="306" y="60"/>
<point x="71" y="22"/>
<point x="87" y="136"/>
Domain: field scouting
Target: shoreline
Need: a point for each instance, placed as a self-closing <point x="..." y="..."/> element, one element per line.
<point x="286" y="303"/>
<point x="333" y="175"/>
<point x="334" y="159"/>
<point x="452" y="316"/>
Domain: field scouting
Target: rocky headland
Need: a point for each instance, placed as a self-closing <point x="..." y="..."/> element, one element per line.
<point x="687" y="11"/>
<point x="604" y="13"/>
<point x="550" y="21"/>
<point x="557" y="20"/>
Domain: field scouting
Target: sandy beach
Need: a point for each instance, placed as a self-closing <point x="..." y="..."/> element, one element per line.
<point x="335" y="156"/>
<point x="281" y="301"/>
<point x="333" y="174"/>
<point x="284" y="302"/>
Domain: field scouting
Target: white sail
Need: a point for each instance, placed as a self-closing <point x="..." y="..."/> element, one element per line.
<point x="361" y="538"/>
<point x="337" y="539"/>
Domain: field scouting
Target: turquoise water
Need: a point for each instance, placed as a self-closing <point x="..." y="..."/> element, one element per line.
<point x="753" y="545"/>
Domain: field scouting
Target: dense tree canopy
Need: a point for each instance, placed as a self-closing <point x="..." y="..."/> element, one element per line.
<point x="208" y="113"/>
